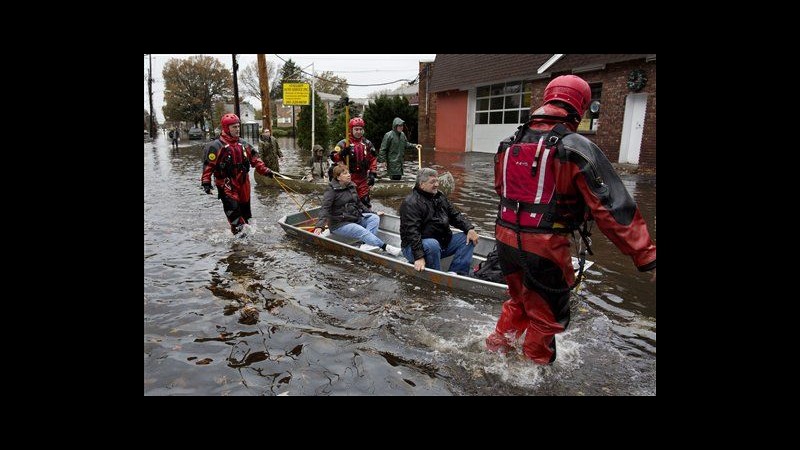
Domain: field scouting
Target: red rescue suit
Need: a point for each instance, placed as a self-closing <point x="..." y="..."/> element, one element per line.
<point x="543" y="199"/>
<point x="229" y="159"/>
<point x="362" y="162"/>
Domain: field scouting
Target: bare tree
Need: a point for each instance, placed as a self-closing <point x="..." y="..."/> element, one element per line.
<point x="248" y="79"/>
<point x="329" y="83"/>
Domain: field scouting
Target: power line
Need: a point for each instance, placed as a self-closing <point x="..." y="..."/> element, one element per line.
<point x="371" y="59"/>
<point x="372" y="70"/>
<point x="351" y="84"/>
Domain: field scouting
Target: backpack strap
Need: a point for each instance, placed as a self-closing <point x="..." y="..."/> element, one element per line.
<point x="521" y="131"/>
<point x="557" y="133"/>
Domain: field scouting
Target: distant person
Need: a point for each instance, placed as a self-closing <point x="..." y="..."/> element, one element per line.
<point x="319" y="164"/>
<point x="393" y="147"/>
<point x="551" y="180"/>
<point x="229" y="159"/>
<point x="425" y="219"/>
<point x="359" y="156"/>
<point x="344" y="213"/>
<point x="270" y="150"/>
<point x="175" y="135"/>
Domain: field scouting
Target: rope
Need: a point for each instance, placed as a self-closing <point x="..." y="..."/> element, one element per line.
<point x="527" y="270"/>
<point x="287" y="189"/>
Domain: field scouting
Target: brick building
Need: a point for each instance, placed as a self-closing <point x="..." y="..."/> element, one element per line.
<point x="475" y="101"/>
<point x="283" y="114"/>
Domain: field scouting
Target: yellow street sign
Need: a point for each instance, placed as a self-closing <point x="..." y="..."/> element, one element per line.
<point x="297" y="94"/>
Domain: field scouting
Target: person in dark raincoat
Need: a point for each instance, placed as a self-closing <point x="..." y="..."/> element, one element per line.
<point x="270" y="150"/>
<point x="175" y="134"/>
<point x="393" y="146"/>
<point x="319" y="164"/>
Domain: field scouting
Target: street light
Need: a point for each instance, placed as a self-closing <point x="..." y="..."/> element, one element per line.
<point x="313" y="111"/>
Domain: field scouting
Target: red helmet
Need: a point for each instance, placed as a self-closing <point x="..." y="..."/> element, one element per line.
<point x="356" y="122"/>
<point x="570" y="89"/>
<point x="228" y="120"/>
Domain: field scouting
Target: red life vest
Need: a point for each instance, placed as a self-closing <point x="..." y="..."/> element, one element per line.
<point x="525" y="177"/>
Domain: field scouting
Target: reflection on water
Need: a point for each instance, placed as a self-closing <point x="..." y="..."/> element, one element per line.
<point x="268" y="315"/>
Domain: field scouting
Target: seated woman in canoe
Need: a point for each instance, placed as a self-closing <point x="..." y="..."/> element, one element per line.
<point x="345" y="215"/>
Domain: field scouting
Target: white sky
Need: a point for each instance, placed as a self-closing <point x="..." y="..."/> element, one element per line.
<point x="356" y="68"/>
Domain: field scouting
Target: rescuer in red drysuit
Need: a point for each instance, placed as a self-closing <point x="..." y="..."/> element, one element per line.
<point x="361" y="157"/>
<point x="229" y="159"/>
<point x="551" y="180"/>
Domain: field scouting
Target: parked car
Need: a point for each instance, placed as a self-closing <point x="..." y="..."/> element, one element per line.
<point x="195" y="133"/>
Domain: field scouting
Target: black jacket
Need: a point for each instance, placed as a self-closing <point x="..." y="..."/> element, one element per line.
<point x="423" y="215"/>
<point x="340" y="205"/>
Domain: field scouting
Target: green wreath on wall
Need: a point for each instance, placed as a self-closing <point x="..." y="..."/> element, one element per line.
<point x="636" y="80"/>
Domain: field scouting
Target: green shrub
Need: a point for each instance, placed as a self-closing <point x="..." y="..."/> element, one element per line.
<point x="381" y="112"/>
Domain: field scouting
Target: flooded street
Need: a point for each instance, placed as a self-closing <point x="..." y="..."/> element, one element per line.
<point x="270" y="315"/>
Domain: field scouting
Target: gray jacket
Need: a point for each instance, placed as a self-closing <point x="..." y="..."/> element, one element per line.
<point x="340" y="205"/>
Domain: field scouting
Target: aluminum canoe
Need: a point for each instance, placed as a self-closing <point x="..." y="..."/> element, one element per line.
<point x="300" y="226"/>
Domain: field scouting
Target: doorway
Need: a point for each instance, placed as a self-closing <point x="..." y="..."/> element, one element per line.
<point x="632" y="128"/>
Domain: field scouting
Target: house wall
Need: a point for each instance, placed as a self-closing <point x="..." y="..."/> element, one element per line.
<point x="284" y="114"/>
<point x="246" y="111"/>
<point x="612" y="109"/>
<point x="608" y="135"/>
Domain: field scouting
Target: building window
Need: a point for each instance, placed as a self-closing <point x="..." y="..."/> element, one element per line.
<point x="591" y="120"/>
<point x="503" y="103"/>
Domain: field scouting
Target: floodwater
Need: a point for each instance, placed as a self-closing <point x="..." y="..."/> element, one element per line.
<point x="269" y="315"/>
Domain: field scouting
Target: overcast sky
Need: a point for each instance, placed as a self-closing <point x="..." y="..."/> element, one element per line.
<point x="356" y="68"/>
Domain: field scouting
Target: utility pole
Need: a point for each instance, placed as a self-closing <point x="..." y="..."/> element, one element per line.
<point x="236" y="88"/>
<point x="313" y="95"/>
<point x="150" y="91"/>
<point x="263" y="81"/>
<point x="346" y="121"/>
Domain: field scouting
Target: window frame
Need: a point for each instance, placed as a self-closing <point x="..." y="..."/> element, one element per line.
<point x="509" y="92"/>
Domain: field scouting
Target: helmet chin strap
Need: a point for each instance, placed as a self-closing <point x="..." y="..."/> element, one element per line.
<point x="574" y="117"/>
<point x="571" y="116"/>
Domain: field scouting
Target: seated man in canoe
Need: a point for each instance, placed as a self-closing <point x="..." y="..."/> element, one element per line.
<point x="346" y="215"/>
<point x="425" y="219"/>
